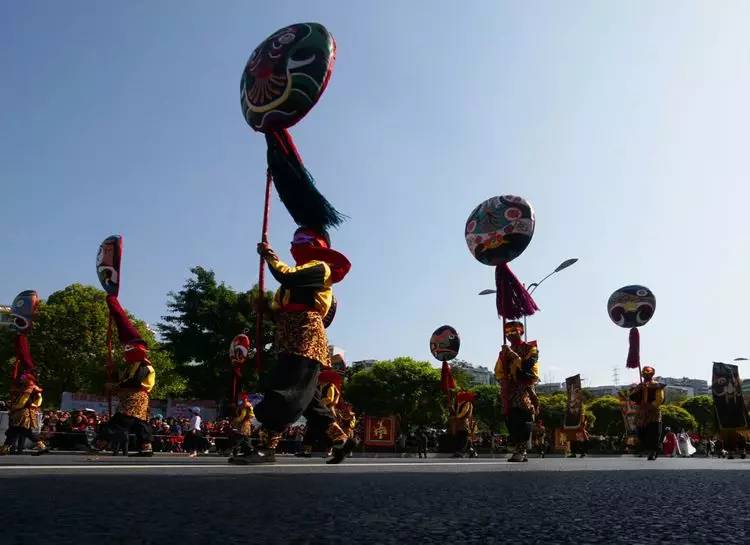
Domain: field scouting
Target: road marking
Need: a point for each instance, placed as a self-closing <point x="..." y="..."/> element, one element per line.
<point x="97" y="465"/>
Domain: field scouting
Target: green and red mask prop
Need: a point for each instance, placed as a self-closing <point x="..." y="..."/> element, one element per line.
<point x="498" y="231"/>
<point x="632" y="307"/>
<point x="283" y="79"/>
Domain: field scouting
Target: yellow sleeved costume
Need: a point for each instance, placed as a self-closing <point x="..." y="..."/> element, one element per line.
<point x="305" y="287"/>
<point x="134" y="388"/>
<point x="244" y="419"/>
<point x="304" y="297"/>
<point x="24" y="409"/>
<point x="650" y="397"/>
<point x="517" y="369"/>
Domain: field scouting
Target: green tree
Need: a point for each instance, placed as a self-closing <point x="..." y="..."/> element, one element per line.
<point x="677" y="418"/>
<point x="204" y="318"/>
<point x="69" y="346"/>
<point x="607" y="416"/>
<point x="701" y="408"/>
<point x="404" y="387"/>
<point x="487" y="409"/>
<point x="552" y="409"/>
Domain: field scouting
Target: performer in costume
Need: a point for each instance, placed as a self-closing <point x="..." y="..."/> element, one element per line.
<point x="540" y="438"/>
<point x="578" y="440"/>
<point x="25" y="393"/>
<point x="242" y="426"/>
<point x="670" y="446"/>
<point x="347" y="418"/>
<point x="329" y="385"/>
<point x="517" y="370"/>
<point x="649" y="395"/>
<point x="137" y="379"/>
<point x="731" y="412"/>
<point x="304" y="297"/>
<point x="462" y="425"/>
<point x="25" y="403"/>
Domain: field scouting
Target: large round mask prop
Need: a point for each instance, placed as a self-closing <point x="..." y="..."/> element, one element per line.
<point x="445" y="343"/>
<point x="283" y="79"/>
<point x="22" y="311"/>
<point x="498" y="231"/>
<point x="631" y="306"/>
<point x="108" y="261"/>
<point x="286" y="75"/>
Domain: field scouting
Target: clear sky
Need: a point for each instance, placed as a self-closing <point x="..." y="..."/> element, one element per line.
<point x="624" y="123"/>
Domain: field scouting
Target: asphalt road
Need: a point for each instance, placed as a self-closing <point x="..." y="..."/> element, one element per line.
<point x="106" y="500"/>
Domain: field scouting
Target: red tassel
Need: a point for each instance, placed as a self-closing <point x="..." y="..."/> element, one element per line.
<point x="512" y="300"/>
<point x="447" y="382"/>
<point x="23" y="357"/>
<point x="634" y="352"/>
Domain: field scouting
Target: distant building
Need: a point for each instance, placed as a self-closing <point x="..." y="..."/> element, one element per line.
<point x="550" y="388"/>
<point x="600" y="391"/>
<point x="674" y="393"/>
<point x="699" y="387"/>
<point x="479" y="375"/>
<point x="365" y="364"/>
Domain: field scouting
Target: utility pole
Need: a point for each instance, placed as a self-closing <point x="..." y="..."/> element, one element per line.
<point x="616" y="376"/>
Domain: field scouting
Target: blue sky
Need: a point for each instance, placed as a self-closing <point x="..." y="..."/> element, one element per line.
<point x="625" y="124"/>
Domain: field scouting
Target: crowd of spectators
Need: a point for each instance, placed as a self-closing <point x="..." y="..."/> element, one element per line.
<point x="78" y="430"/>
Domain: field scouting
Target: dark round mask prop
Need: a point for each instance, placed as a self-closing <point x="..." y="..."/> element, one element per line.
<point x="498" y="231"/>
<point x="22" y="312"/>
<point x="286" y="75"/>
<point x="283" y="79"/>
<point x="632" y="307"/>
<point x="445" y="343"/>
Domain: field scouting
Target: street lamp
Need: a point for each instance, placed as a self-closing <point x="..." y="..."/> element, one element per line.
<point x="740" y="359"/>
<point x="534" y="285"/>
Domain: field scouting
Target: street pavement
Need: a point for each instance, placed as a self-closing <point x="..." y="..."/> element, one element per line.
<point x="81" y="499"/>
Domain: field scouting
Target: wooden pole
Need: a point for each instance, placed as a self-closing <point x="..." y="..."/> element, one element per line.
<point x="262" y="278"/>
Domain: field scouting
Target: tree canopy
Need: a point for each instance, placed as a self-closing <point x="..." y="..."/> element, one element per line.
<point x="701" y="408"/>
<point x="405" y="387"/>
<point x="204" y="318"/>
<point x="69" y="346"/>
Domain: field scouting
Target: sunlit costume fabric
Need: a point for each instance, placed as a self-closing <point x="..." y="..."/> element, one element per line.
<point x="517" y="371"/>
<point x="649" y="395"/>
<point x="462" y="425"/>
<point x="305" y="295"/>
<point x="137" y="379"/>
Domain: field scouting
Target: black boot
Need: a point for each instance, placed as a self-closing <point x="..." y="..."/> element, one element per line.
<point x="341" y="451"/>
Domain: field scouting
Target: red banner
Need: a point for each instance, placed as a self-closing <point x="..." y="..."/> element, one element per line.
<point x="380" y="431"/>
